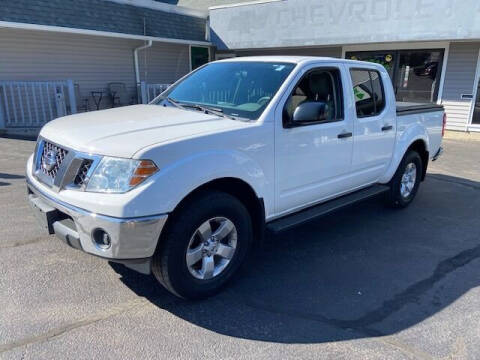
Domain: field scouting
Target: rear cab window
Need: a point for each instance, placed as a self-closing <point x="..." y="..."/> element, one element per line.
<point x="368" y="92"/>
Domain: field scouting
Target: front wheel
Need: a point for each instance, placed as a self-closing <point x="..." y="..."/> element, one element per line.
<point x="404" y="184"/>
<point x="205" y="243"/>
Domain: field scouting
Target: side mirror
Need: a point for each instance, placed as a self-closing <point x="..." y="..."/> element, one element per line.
<point x="310" y="111"/>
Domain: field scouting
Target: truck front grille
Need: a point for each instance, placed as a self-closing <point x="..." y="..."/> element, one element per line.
<point x="61" y="167"/>
<point x="51" y="159"/>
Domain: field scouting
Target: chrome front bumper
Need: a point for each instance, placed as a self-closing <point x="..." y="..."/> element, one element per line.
<point x="132" y="240"/>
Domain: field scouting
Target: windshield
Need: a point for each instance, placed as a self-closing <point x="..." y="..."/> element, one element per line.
<point x="237" y="89"/>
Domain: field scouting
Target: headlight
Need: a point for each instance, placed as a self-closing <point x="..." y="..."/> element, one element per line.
<point x="115" y="175"/>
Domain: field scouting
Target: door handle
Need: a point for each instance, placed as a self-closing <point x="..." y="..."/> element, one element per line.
<point x="344" y="135"/>
<point x="387" y="127"/>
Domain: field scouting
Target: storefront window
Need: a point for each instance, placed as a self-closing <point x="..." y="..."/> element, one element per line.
<point x="415" y="74"/>
<point x="385" y="58"/>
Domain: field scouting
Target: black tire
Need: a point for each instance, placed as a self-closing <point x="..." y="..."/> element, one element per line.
<point x="394" y="196"/>
<point x="169" y="263"/>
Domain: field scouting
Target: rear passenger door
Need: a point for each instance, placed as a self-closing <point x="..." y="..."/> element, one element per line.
<point x="374" y="125"/>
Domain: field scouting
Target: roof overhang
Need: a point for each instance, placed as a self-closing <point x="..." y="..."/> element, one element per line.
<point x="61" y="29"/>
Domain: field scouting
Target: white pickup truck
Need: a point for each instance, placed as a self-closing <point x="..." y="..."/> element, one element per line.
<point x="186" y="186"/>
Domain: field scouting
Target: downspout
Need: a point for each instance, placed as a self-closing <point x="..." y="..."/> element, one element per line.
<point x="135" y="60"/>
<point x="142" y="97"/>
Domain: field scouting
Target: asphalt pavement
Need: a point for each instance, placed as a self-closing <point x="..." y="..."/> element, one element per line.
<point x="365" y="283"/>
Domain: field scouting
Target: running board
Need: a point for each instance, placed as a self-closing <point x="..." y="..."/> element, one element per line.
<point x="325" y="208"/>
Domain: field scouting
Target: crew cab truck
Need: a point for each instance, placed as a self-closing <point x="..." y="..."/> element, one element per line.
<point x="185" y="186"/>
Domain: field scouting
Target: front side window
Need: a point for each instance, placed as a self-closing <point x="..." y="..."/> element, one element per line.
<point x="319" y="85"/>
<point x="237" y="88"/>
<point x="368" y="92"/>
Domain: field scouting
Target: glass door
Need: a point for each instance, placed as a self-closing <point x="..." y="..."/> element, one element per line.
<point x="199" y="55"/>
<point x="476" y="107"/>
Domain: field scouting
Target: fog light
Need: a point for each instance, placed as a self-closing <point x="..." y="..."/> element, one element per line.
<point x="101" y="239"/>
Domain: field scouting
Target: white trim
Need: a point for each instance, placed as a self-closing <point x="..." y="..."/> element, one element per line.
<point x="257" y="2"/>
<point x="445" y="45"/>
<point x="155" y="5"/>
<point x="61" y="29"/>
<point x="190" y="54"/>
<point x="474" y="98"/>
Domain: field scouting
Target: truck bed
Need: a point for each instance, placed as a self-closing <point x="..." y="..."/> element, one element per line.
<point x="409" y="108"/>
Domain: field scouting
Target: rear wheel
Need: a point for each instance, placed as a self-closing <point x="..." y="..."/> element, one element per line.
<point x="205" y="243"/>
<point x="406" y="181"/>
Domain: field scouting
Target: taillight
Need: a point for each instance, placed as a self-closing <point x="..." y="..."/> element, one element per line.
<point x="444" y="124"/>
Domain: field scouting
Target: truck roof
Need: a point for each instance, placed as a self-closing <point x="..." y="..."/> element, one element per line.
<point x="298" y="59"/>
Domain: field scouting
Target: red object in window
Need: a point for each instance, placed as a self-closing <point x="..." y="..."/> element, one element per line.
<point x="444" y="124"/>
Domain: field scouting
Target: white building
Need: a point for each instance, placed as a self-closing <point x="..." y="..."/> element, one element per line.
<point x="430" y="47"/>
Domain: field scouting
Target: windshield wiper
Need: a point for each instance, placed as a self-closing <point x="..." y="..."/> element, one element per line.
<point x="174" y="103"/>
<point x="209" y="110"/>
<point x="205" y="109"/>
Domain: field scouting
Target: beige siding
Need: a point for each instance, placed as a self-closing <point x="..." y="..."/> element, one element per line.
<point x="90" y="61"/>
<point x="164" y="63"/>
<point x="459" y="79"/>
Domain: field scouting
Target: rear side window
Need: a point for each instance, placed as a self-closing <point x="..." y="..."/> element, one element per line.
<point x="368" y="92"/>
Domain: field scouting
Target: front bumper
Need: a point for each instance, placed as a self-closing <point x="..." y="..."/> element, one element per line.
<point x="132" y="240"/>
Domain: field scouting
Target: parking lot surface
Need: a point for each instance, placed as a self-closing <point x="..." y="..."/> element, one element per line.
<point x="364" y="283"/>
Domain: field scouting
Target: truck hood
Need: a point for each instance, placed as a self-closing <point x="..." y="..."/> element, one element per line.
<point x="124" y="131"/>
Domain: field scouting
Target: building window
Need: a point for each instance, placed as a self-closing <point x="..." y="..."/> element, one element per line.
<point x="415" y="74"/>
<point x="199" y="55"/>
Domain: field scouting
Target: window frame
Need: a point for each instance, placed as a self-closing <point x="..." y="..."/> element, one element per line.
<point x="369" y="70"/>
<point x="288" y="123"/>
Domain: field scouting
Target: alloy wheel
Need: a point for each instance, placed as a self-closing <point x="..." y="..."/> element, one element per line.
<point x="211" y="248"/>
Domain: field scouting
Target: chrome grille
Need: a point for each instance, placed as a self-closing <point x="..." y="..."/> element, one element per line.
<point x="82" y="172"/>
<point x="49" y="152"/>
<point x="61" y="167"/>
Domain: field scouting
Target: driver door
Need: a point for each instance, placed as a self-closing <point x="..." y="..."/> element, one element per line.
<point x="313" y="158"/>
